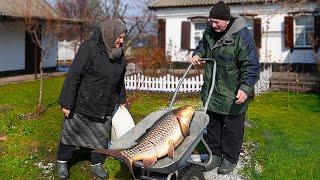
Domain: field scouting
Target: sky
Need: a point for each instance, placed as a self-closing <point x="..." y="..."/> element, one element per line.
<point x="133" y="10"/>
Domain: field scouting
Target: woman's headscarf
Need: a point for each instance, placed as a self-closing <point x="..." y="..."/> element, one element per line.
<point x="110" y="31"/>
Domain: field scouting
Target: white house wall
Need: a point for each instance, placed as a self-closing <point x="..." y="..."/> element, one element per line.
<point x="173" y="39"/>
<point x="272" y="16"/>
<point x="12" y="46"/>
<point x="272" y="48"/>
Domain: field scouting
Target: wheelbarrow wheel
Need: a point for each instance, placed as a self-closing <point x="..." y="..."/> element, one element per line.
<point x="191" y="173"/>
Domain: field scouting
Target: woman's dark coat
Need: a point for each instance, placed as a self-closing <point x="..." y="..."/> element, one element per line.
<point x="94" y="83"/>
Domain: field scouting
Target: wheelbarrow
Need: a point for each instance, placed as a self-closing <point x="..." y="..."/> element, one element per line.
<point x="181" y="166"/>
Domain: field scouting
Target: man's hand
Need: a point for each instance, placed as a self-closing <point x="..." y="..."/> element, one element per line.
<point x="241" y="97"/>
<point x="66" y="112"/>
<point x="195" y="60"/>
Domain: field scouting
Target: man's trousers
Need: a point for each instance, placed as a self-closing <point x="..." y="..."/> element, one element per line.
<point x="225" y="135"/>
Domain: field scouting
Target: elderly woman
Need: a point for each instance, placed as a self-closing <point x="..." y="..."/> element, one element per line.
<point x="92" y="88"/>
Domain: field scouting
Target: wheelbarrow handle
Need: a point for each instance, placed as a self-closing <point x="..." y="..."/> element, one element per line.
<point x="185" y="74"/>
<point x="206" y="59"/>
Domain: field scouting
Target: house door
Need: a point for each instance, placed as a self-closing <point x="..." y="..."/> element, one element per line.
<point x="32" y="55"/>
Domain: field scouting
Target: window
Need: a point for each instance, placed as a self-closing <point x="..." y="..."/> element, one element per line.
<point x="199" y="28"/>
<point x="253" y="23"/>
<point x="249" y="22"/>
<point x="303" y="31"/>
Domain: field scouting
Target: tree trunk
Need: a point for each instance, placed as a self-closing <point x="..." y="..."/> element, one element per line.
<point x="35" y="63"/>
<point x="39" y="107"/>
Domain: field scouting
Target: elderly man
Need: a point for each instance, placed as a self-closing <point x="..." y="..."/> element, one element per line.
<point x="228" y="41"/>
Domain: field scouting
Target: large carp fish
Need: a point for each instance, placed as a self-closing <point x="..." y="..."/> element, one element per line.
<point x="160" y="140"/>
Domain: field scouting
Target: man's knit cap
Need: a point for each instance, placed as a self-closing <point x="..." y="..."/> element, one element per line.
<point x="220" y="11"/>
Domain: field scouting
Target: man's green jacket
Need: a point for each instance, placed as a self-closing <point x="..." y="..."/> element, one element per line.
<point x="237" y="67"/>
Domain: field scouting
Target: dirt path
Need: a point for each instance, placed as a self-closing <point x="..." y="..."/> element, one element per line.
<point x="25" y="78"/>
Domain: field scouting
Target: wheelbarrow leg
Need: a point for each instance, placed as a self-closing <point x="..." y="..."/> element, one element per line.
<point x="175" y="174"/>
<point x="205" y="164"/>
<point x="145" y="175"/>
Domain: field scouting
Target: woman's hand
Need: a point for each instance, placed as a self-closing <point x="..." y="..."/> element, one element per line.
<point x="66" y="112"/>
<point x="126" y="105"/>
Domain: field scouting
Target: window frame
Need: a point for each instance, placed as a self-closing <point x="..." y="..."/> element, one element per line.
<point x="250" y="28"/>
<point x="193" y="44"/>
<point x="303" y="27"/>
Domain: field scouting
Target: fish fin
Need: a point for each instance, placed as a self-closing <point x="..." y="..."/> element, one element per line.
<point x="148" y="162"/>
<point x="109" y="152"/>
<point x="185" y="130"/>
<point x="118" y="154"/>
<point x="171" y="149"/>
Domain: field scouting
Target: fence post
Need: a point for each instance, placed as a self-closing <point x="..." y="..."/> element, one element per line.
<point x="172" y="83"/>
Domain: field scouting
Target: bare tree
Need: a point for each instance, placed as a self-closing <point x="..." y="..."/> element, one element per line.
<point x="39" y="22"/>
<point x="137" y="23"/>
<point x="87" y="11"/>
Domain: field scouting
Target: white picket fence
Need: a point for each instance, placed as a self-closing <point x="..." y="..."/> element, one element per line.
<point x="166" y="83"/>
<point x="263" y="84"/>
<point x="169" y="83"/>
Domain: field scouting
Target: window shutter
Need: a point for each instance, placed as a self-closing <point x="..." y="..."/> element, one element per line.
<point x="185" y="34"/>
<point x="257" y="31"/>
<point x="162" y="33"/>
<point x="316" y="32"/>
<point x="288" y="32"/>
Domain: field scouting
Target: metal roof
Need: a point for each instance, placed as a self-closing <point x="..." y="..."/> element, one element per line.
<point x="27" y="8"/>
<point x="189" y="3"/>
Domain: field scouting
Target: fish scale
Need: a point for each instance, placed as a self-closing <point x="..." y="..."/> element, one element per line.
<point x="155" y="137"/>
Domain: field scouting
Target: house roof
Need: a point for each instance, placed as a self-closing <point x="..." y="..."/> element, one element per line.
<point x="27" y="8"/>
<point x="189" y="3"/>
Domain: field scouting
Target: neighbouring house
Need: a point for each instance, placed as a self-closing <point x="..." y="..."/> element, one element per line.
<point x="67" y="50"/>
<point x="19" y="53"/>
<point x="286" y="34"/>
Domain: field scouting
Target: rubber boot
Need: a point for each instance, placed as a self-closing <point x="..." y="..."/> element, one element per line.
<point x="98" y="170"/>
<point x="226" y="167"/>
<point x="62" y="168"/>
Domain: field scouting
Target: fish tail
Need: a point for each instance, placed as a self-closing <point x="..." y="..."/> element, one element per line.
<point x="119" y="155"/>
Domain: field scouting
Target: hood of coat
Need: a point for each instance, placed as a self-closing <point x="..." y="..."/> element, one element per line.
<point x="238" y="24"/>
<point x="105" y="34"/>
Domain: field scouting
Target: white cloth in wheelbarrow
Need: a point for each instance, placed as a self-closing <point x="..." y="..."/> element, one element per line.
<point x="87" y="132"/>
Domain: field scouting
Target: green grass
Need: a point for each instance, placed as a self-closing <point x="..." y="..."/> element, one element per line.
<point x="287" y="137"/>
<point x="286" y="130"/>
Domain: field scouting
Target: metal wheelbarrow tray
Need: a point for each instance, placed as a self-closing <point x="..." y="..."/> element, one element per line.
<point x="165" y="165"/>
<point x="181" y="153"/>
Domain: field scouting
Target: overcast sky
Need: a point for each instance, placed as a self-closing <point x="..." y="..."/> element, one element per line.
<point x="134" y="10"/>
<point x="135" y="7"/>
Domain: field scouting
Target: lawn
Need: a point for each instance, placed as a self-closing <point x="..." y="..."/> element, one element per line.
<point x="284" y="133"/>
<point x="286" y="130"/>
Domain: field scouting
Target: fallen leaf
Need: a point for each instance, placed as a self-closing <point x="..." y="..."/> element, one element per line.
<point x="3" y="137"/>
